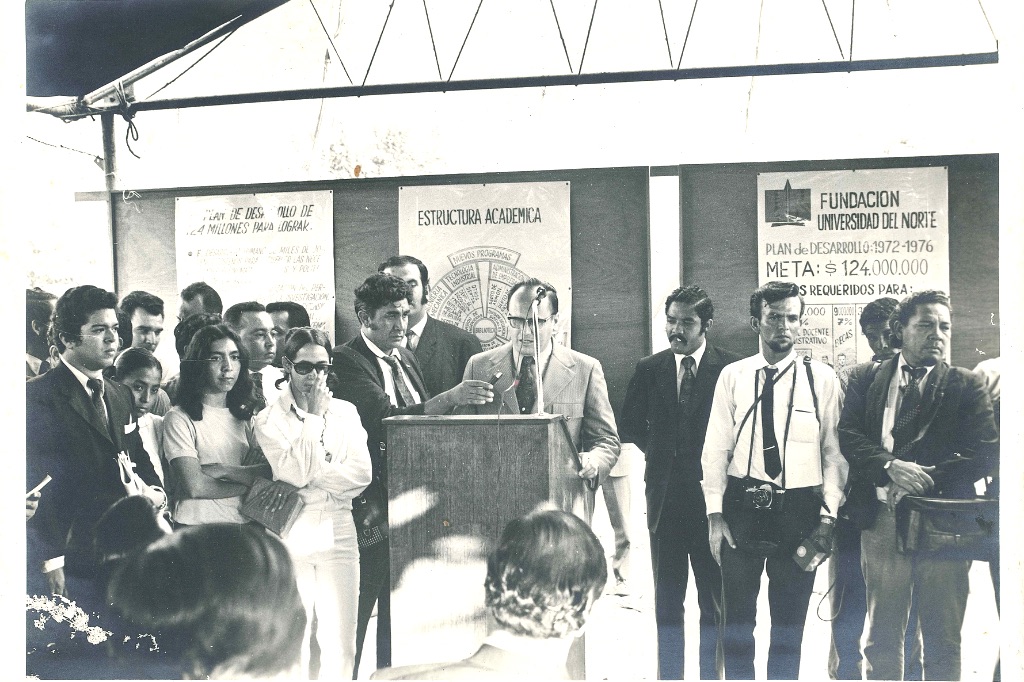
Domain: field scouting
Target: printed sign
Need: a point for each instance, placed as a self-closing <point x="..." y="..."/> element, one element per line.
<point x="479" y="240"/>
<point x="261" y="247"/>
<point x="850" y="237"/>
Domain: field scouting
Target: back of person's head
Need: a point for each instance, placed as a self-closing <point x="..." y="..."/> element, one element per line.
<point x="129" y="525"/>
<point x="877" y="312"/>
<point x="195" y="372"/>
<point x="906" y="309"/>
<point x="535" y="285"/>
<point x="74" y="307"/>
<point x="695" y="296"/>
<point x="399" y="261"/>
<point x="233" y="315"/>
<point x="298" y="316"/>
<point x="773" y="292"/>
<point x="380" y="290"/>
<point x="209" y="296"/>
<point x="38" y="309"/>
<point x="546" y="573"/>
<point x="186" y="329"/>
<point x="132" y="360"/>
<point x="219" y="598"/>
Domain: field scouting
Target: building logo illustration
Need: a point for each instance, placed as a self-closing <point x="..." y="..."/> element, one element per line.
<point x="787" y="206"/>
<point x="473" y="294"/>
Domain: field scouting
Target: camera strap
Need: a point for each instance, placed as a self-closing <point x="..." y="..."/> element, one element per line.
<point x="753" y="425"/>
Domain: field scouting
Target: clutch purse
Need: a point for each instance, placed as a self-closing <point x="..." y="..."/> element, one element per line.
<point x="254" y="507"/>
<point x="953" y="529"/>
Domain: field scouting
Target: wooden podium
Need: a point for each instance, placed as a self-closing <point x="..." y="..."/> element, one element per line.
<point x="454" y="482"/>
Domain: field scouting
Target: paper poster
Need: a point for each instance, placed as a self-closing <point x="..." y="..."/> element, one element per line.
<point x="479" y="240"/>
<point x="850" y="237"/>
<point x="261" y="247"/>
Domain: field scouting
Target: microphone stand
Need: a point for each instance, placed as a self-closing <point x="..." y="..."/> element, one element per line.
<point x="536" y="355"/>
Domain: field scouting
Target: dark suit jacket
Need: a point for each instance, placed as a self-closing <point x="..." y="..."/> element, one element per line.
<point x="443" y="352"/>
<point x="956" y="431"/>
<point x="651" y="417"/>
<point x="361" y="382"/>
<point x="66" y="440"/>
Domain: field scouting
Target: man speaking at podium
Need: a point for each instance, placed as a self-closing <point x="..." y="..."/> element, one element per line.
<point x="572" y="384"/>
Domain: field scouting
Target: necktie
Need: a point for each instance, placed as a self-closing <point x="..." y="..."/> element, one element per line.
<point x="411" y="339"/>
<point x="905" y="426"/>
<point x="686" y="379"/>
<point x="772" y="461"/>
<point x="526" y="390"/>
<point x="402" y="392"/>
<point x="96" y="387"/>
<point x="257" y="386"/>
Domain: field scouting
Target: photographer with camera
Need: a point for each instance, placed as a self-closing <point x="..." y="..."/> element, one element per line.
<point x="773" y="481"/>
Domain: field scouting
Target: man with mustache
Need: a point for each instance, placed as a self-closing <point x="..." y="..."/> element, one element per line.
<point x="665" y="414"/>
<point x="773" y="478"/>
<point x="914" y="425"/>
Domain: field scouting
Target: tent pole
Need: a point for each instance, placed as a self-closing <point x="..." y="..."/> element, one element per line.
<point x="109" y="175"/>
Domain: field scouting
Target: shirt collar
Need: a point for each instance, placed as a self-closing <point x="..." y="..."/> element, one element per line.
<point x="419" y="326"/>
<point x="516" y="359"/>
<point x="374" y="349"/>
<point x="902" y="375"/>
<point x="33" y="362"/>
<point x="82" y="377"/>
<point x="782" y="364"/>
<point x="696" y="355"/>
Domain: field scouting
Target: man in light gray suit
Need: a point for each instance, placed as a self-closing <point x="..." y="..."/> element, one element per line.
<point x="573" y="383"/>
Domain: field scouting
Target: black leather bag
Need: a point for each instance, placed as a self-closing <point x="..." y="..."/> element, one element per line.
<point x="370" y="514"/>
<point x="942" y="528"/>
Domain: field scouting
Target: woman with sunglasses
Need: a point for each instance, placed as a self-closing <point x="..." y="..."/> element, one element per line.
<point x="317" y="443"/>
<point x="209" y="443"/>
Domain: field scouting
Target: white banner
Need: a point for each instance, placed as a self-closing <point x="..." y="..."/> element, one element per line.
<point x="848" y="238"/>
<point x="261" y="247"/>
<point x="479" y="240"/>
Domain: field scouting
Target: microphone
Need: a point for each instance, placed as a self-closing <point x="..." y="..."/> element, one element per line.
<point x="542" y="293"/>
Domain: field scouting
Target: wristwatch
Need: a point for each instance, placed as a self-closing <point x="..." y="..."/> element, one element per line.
<point x="887" y="465"/>
<point x="828" y="520"/>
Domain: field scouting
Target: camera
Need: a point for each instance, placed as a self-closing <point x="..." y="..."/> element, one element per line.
<point x="763" y="496"/>
<point x="809" y="555"/>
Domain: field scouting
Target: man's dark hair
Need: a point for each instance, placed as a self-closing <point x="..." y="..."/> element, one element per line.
<point x="547" y="571"/>
<point x="233" y="315"/>
<point x="211" y="299"/>
<point x="154" y="305"/>
<point x="192" y="384"/>
<point x="773" y="292"/>
<point x="74" y="307"/>
<point x="378" y="291"/>
<point x="298" y="316"/>
<point x="693" y="295"/>
<point x="38" y="309"/>
<point x="535" y="285"/>
<point x="877" y="312"/>
<point x="908" y="306"/>
<point x="399" y="261"/>
<point x="186" y="329"/>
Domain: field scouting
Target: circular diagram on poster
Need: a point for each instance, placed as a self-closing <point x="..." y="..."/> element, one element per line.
<point x="473" y="294"/>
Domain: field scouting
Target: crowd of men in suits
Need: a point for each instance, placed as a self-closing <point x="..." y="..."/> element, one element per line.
<point x="721" y="435"/>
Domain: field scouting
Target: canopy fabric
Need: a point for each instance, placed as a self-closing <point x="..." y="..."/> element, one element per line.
<point x="76" y="46"/>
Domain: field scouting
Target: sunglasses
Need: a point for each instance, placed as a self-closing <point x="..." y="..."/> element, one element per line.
<point x="305" y="368"/>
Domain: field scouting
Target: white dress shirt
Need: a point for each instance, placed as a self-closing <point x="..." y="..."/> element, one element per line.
<point x="810" y="450"/>
<point x="893" y="402"/>
<point x="389" y="381"/>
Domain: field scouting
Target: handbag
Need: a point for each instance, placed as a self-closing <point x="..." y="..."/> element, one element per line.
<point x="949" y="529"/>
<point x="254" y="507"/>
<point x="370" y="514"/>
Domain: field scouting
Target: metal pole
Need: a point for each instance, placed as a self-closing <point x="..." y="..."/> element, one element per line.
<point x="110" y="174"/>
